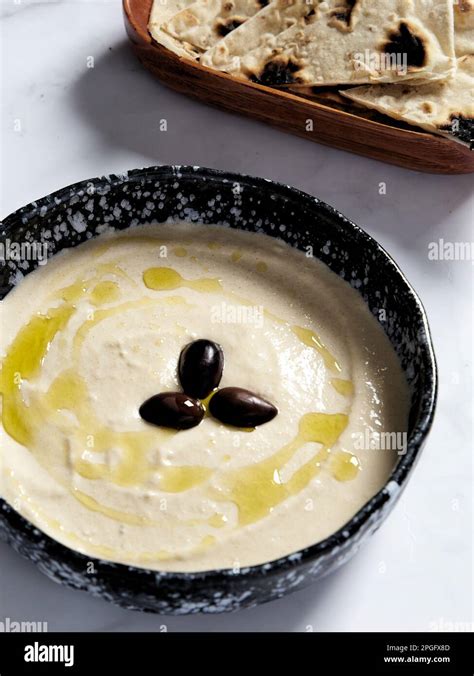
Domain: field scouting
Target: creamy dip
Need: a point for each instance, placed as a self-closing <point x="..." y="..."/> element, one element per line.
<point x="89" y="337"/>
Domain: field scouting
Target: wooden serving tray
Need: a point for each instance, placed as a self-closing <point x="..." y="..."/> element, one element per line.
<point x="289" y="112"/>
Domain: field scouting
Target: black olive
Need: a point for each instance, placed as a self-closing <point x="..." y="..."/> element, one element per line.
<point x="200" y="367"/>
<point x="172" y="409"/>
<point x="241" y="408"/>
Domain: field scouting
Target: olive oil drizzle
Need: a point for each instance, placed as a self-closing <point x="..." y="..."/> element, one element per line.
<point x="23" y="362"/>
<point x="311" y="339"/>
<point x="97" y="290"/>
<point x="343" y="387"/>
<point x="345" y="466"/>
<point x="257" y="489"/>
<point x="167" y="279"/>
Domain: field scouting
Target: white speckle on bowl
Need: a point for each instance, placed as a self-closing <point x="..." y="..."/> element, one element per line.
<point x="78" y="221"/>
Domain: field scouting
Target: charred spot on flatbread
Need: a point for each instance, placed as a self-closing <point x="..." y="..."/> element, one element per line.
<point x="262" y="3"/>
<point x="310" y="16"/>
<point x="462" y="128"/>
<point x="341" y="16"/>
<point x="279" y="70"/>
<point x="226" y="26"/>
<point x="406" y="43"/>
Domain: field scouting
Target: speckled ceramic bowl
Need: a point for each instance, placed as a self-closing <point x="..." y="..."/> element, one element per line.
<point x="79" y="212"/>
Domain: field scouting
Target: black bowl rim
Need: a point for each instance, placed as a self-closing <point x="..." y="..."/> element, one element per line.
<point x="416" y="440"/>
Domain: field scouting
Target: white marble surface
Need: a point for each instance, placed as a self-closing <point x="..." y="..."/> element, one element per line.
<point x="77" y="122"/>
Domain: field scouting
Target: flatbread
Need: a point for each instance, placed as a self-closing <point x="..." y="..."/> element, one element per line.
<point x="203" y="23"/>
<point x="464" y="27"/>
<point x="357" y="41"/>
<point x="162" y="11"/>
<point x="445" y="108"/>
<point x="260" y="30"/>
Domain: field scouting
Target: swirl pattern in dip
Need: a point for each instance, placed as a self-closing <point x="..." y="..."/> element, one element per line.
<point x="96" y="332"/>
